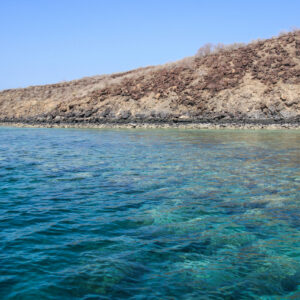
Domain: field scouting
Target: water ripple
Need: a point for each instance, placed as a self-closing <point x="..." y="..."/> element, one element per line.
<point x="149" y="214"/>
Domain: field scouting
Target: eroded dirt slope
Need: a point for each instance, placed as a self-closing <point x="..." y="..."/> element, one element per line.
<point x="259" y="81"/>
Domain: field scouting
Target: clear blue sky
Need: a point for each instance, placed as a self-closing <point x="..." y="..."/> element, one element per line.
<point x="47" y="41"/>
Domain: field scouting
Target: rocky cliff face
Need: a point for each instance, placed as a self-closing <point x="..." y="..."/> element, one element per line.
<point x="259" y="82"/>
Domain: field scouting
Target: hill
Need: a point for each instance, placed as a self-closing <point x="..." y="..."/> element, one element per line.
<point x="254" y="83"/>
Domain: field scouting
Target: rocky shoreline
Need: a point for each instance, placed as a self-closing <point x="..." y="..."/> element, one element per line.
<point x="189" y="124"/>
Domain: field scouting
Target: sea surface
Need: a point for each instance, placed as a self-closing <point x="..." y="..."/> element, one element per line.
<point x="149" y="214"/>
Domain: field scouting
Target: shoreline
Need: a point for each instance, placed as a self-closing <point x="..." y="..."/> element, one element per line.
<point x="158" y="125"/>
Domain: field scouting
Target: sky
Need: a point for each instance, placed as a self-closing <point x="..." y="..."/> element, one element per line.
<point x="48" y="41"/>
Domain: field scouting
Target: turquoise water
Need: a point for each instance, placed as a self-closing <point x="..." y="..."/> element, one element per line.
<point x="149" y="214"/>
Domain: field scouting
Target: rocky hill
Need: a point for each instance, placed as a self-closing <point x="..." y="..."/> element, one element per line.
<point x="255" y="83"/>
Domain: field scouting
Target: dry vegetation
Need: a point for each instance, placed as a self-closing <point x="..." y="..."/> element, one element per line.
<point x="239" y="82"/>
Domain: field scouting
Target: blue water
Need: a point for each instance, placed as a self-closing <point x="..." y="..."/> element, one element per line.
<point x="149" y="214"/>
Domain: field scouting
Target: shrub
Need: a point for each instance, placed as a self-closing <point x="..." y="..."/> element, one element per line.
<point x="209" y="48"/>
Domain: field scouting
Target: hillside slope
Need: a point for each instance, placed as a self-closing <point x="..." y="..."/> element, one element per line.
<point x="259" y="82"/>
